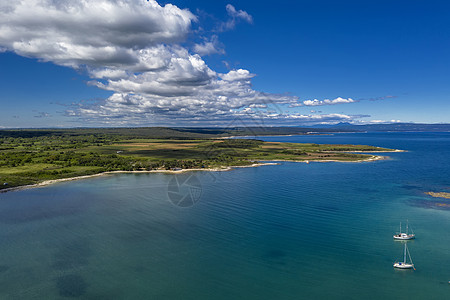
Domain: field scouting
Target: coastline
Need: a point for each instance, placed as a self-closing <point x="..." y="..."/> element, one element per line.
<point x="375" y="151"/>
<point x="218" y="169"/>
<point x="252" y="136"/>
<point x="53" y="181"/>
<point x="372" y="158"/>
<point x="444" y="195"/>
<point x="274" y="135"/>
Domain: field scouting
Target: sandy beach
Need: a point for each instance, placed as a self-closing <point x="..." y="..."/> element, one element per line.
<point x="49" y="182"/>
<point x="219" y="169"/>
<point x="372" y="158"/>
<point x="439" y="194"/>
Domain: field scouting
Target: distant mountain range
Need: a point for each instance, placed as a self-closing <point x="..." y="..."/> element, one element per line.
<point x="388" y="127"/>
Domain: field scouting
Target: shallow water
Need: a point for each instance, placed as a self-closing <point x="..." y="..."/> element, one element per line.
<point x="291" y="231"/>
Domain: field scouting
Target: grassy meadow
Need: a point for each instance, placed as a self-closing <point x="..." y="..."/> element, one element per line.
<point x="33" y="156"/>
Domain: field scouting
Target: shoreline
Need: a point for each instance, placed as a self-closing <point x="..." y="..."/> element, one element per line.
<point x="370" y="159"/>
<point x="444" y="195"/>
<point x="53" y="181"/>
<point x="218" y="169"/>
<point x="275" y="135"/>
<point x="375" y="151"/>
<point x="252" y="136"/>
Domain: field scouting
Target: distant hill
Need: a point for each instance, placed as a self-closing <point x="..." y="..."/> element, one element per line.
<point x="166" y="132"/>
<point x="389" y="127"/>
<point x="217" y="132"/>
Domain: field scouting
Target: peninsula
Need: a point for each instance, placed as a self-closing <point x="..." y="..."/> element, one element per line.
<point x="30" y="157"/>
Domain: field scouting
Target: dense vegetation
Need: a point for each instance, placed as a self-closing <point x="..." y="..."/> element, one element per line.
<point x="164" y="132"/>
<point x="31" y="156"/>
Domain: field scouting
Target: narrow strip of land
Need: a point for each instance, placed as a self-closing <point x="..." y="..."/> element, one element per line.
<point x="439" y="195"/>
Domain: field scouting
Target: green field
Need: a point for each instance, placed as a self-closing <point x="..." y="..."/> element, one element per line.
<point x="28" y="157"/>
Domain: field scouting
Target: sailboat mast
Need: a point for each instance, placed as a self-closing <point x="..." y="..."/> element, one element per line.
<point x="400" y="228"/>
<point x="410" y="259"/>
<point x="404" y="255"/>
<point x="406" y="226"/>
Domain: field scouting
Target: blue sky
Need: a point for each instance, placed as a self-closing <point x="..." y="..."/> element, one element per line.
<point x="197" y="63"/>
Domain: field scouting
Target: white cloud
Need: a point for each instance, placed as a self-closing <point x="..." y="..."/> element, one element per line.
<point x="183" y="74"/>
<point x="97" y="33"/>
<point x="237" y="75"/>
<point x="257" y="106"/>
<point x="141" y="111"/>
<point x="203" y="94"/>
<point x="208" y="47"/>
<point x="381" y="121"/>
<point x="238" y="14"/>
<point x="338" y="100"/>
<point x="226" y="64"/>
<point x="133" y="49"/>
<point x="316" y="102"/>
<point x="108" y="73"/>
<point x="234" y="17"/>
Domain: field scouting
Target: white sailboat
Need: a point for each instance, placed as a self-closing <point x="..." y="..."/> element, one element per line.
<point x="404" y="264"/>
<point x="404" y="236"/>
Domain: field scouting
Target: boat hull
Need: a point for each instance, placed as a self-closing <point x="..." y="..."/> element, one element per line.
<point x="403" y="266"/>
<point x="404" y="237"/>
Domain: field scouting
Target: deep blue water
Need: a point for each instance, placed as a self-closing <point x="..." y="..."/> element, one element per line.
<point x="290" y="231"/>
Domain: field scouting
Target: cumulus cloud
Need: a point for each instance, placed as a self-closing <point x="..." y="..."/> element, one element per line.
<point x="316" y="102"/>
<point x="237" y="75"/>
<point x="203" y="95"/>
<point x="139" y="110"/>
<point x="97" y="33"/>
<point x="134" y="49"/>
<point x="381" y="121"/>
<point x="338" y="100"/>
<point x="208" y="47"/>
<point x="182" y="75"/>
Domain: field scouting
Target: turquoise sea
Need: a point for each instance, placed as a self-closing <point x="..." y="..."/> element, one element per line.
<point x="288" y="231"/>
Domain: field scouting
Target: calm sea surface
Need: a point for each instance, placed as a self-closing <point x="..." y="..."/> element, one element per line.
<point x="290" y="231"/>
